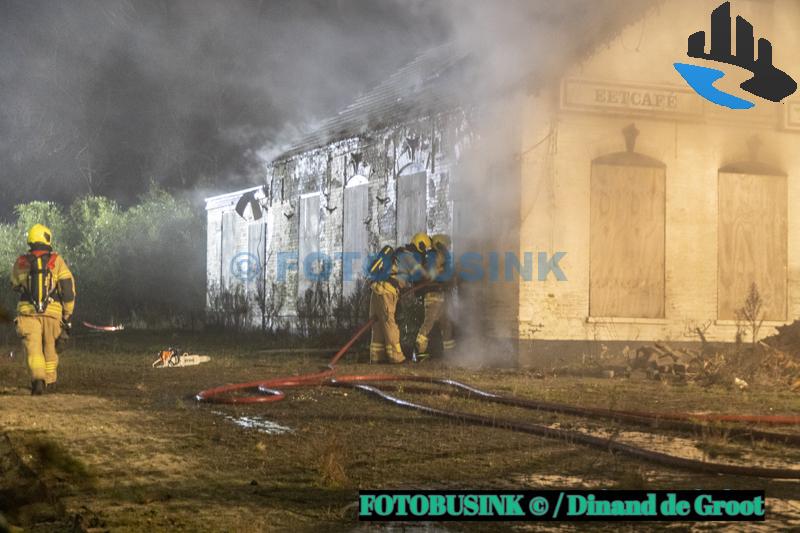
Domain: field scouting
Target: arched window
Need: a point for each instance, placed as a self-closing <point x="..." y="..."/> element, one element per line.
<point x="752" y="239"/>
<point x="627" y="236"/>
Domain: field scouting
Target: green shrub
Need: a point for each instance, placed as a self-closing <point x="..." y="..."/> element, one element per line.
<point x="144" y="266"/>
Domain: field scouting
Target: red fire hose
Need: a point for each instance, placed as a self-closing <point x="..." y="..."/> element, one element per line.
<point x="271" y="391"/>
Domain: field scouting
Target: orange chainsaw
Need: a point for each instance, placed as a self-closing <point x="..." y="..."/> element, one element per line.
<point x="173" y="357"/>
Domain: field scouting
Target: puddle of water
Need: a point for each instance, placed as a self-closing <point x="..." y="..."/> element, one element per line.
<point x="257" y="423"/>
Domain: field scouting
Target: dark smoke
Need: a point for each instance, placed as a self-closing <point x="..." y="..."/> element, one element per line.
<point x="103" y="97"/>
<point x="106" y="96"/>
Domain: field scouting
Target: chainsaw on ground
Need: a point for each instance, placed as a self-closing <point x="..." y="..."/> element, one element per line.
<point x="173" y="357"/>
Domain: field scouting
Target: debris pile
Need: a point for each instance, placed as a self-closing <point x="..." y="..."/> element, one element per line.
<point x="660" y="360"/>
<point x="775" y="361"/>
<point x="782" y="353"/>
<point x="787" y="340"/>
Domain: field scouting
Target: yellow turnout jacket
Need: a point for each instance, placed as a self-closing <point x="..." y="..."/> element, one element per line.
<point x="53" y="284"/>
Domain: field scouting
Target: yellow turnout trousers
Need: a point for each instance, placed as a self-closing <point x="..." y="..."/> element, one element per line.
<point x="435" y="311"/>
<point x="39" y="334"/>
<point x="385" y="333"/>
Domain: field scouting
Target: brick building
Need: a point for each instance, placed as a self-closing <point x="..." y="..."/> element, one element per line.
<point x="667" y="207"/>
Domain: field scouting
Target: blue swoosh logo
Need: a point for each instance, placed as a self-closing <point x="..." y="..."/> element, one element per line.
<point x="702" y="79"/>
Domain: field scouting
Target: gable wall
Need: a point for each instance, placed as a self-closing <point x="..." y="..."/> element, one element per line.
<point x="572" y="123"/>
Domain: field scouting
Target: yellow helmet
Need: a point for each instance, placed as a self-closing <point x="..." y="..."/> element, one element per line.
<point x="441" y="241"/>
<point x="40" y="234"/>
<point x="421" y="242"/>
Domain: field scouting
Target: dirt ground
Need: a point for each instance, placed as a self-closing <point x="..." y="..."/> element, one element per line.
<point x="121" y="446"/>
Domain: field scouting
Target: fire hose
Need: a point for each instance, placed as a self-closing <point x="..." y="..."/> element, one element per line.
<point x="271" y="391"/>
<point x="95" y="327"/>
<point x="5" y="316"/>
<point x="592" y="441"/>
<point x="653" y="420"/>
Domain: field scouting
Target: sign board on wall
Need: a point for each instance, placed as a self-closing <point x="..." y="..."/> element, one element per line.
<point x="661" y="101"/>
<point x="582" y="95"/>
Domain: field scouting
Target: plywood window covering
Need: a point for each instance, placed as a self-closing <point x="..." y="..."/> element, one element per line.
<point x="627" y="239"/>
<point x="356" y="237"/>
<point x="228" y="245"/>
<point x="752" y="242"/>
<point x="412" y="209"/>
<point x="309" y="240"/>
<point x="257" y="247"/>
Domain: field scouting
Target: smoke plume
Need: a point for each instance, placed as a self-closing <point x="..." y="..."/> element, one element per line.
<point x="103" y="97"/>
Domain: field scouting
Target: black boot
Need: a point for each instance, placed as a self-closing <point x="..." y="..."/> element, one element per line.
<point x="37" y="387"/>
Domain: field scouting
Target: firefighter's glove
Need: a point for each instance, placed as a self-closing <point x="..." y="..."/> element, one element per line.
<point x="66" y="329"/>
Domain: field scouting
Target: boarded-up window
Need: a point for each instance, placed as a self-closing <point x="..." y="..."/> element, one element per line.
<point x="752" y="242"/>
<point x="309" y="240"/>
<point x="256" y="248"/>
<point x="229" y="244"/>
<point x="627" y="240"/>
<point x="412" y="207"/>
<point x="356" y="237"/>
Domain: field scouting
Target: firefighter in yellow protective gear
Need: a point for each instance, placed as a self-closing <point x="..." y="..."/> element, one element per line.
<point x="46" y="303"/>
<point x="439" y="272"/>
<point x="421" y="243"/>
<point x="390" y="272"/>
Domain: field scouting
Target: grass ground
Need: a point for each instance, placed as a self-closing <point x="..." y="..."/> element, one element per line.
<point x="124" y="447"/>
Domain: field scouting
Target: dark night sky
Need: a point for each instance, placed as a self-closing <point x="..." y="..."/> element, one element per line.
<point x="104" y="96"/>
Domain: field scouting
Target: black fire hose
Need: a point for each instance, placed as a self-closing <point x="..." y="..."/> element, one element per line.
<point x="642" y="419"/>
<point x="600" y="443"/>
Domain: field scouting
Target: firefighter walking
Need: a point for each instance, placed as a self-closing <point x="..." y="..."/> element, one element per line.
<point x="439" y="272"/>
<point x="390" y="272"/>
<point x="46" y="303"/>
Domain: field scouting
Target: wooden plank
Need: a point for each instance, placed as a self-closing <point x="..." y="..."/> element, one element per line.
<point x="627" y="241"/>
<point x="230" y="221"/>
<point x="356" y="236"/>
<point x="257" y="246"/>
<point x="412" y="206"/>
<point x="753" y="243"/>
<point x="309" y="241"/>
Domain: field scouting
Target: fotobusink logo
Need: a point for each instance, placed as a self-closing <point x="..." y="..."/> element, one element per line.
<point x="768" y="82"/>
<point x="245" y="267"/>
<point x="468" y="266"/>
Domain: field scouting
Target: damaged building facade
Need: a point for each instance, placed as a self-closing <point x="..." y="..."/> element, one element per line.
<point x="347" y="189"/>
<point x="666" y="207"/>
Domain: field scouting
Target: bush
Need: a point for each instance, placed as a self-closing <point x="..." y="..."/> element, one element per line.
<point x="331" y="318"/>
<point x="270" y="301"/>
<point x="229" y="308"/>
<point x="353" y="310"/>
<point x="144" y="265"/>
<point x="162" y="255"/>
<point x="314" y="315"/>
